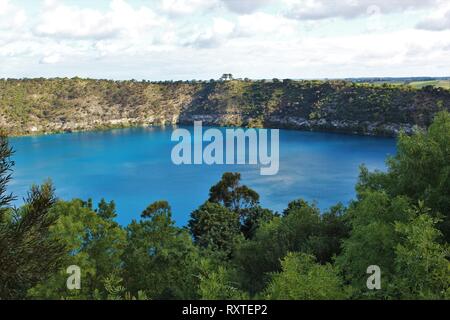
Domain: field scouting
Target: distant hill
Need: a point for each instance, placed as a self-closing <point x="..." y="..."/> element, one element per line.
<point x="31" y="106"/>
<point x="416" y="82"/>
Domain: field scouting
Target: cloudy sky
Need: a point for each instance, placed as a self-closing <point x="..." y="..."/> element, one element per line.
<point x="202" y="39"/>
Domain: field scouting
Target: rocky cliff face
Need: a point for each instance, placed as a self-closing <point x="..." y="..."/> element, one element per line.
<point x="298" y="123"/>
<point x="43" y="106"/>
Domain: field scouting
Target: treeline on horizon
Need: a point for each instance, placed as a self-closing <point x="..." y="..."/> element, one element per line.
<point x="48" y="105"/>
<point x="232" y="248"/>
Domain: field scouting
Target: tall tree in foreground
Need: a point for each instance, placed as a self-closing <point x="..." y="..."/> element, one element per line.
<point x="403" y="241"/>
<point x="422" y="268"/>
<point x="6" y="165"/>
<point x="215" y="227"/>
<point x="160" y="258"/>
<point x="231" y="194"/>
<point x="372" y="240"/>
<point x="28" y="255"/>
<point x="302" y="228"/>
<point x="93" y="242"/>
<point x="217" y="282"/>
<point x="420" y="170"/>
<point x="303" y="278"/>
<point x="241" y="200"/>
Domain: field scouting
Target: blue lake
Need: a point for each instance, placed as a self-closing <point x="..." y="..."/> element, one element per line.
<point x="133" y="167"/>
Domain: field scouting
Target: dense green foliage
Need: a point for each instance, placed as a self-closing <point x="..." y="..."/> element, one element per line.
<point x="304" y="279"/>
<point x="420" y="171"/>
<point x="92" y="241"/>
<point x="50" y="105"/>
<point x="28" y="252"/>
<point x="160" y="258"/>
<point x="233" y="248"/>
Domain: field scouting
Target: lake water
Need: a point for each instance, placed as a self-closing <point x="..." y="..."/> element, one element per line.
<point x="133" y="167"/>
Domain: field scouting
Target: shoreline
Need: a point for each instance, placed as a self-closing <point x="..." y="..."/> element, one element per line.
<point x="206" y="124"/>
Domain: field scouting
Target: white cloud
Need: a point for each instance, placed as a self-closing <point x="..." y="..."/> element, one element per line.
<point x="257" y="25"/>
<point x="437" y="21"/>
<point x="62" y="21"/>
<point x="186" y="7"/>
<point x="173" y="39"/>
<point x="266" y="25"/>
<point x="324" y="9"/>
<point x="11" y="17"/>
<point x="222" y="26"/>
<point x="211" y="37"/>
<point x="51" y="59"/>
<point x="245" y="6"/>
<point x="66" y="22"/>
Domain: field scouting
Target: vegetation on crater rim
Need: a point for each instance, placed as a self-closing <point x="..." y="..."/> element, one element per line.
<point x="29" y="106"/>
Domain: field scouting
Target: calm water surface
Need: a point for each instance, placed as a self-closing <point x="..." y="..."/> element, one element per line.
<point x="133" y="167"/>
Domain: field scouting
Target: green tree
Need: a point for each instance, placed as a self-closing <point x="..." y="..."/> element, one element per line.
<point x="372" y="239"/>
<point x="28" y="254"/>
<point x="242" y="200"/>
<point x="302" y="228"/>
<point x="420" y="170"/>
<point x="333" y="229"/>
<point x="217" y="282"/>
<point x="422" y="269"/>
<point x="93" y="242"/>
<point x="160" y="258"/>
<point x="116" y="291"/>
<point x="106" y="210"/>
<point x="258" y="257"/>
<point x="302" y="278"/>
<point x="253" y="218"/>
<point x="231" y="194"/>
<point x="215" y="227"/>
<point x="6" y="165"/>
<point x="159" y="210"/>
